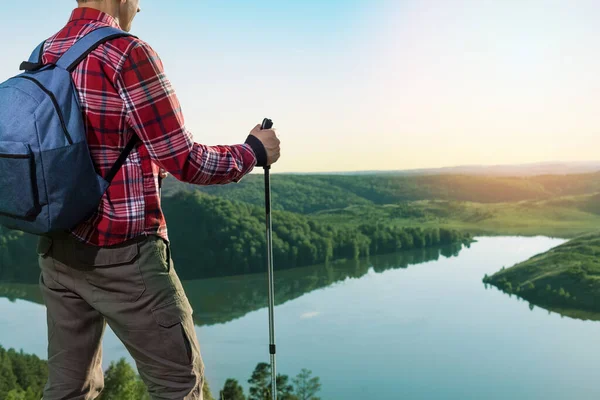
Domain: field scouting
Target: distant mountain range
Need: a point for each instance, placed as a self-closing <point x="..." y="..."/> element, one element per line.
<point x="545" y="168"/>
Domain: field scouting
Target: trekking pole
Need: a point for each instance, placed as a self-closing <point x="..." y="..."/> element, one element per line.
<point x="268" y="124"/>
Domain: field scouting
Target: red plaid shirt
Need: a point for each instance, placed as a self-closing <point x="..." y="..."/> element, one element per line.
<point x="123" y="91"/>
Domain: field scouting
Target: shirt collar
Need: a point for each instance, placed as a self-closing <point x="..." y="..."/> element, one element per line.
<point x="91" y="14"/>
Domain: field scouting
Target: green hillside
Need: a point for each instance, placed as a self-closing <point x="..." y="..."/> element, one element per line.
<point x="336" y="217"/>
<point x="346" y="217"/>
<point x="212" y="237"/>
<point x="565" y="217"/>
<point x="222" y="237"/>
<point x="565" y="279"/>
<point x="311" y="193"/>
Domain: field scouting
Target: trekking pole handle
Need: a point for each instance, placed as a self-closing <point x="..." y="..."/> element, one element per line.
<point x="267" y="124"/>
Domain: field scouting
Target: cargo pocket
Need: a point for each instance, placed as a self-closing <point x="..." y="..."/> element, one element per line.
<point x="113" y="273"/>
<point x="19" y="197"/>
<point x="175" y="320"/>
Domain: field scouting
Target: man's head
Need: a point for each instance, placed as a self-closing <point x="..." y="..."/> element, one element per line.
<point x="122" y="10"/>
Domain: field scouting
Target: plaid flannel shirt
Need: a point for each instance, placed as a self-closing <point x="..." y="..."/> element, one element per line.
<point x="123" y="91"/>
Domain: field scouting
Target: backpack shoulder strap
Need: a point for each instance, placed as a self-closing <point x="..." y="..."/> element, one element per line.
<point x="121" y="160"/>
<point x="85" y="45"/>
<point x="35" y="60"/>
<point x="76" y="54"/>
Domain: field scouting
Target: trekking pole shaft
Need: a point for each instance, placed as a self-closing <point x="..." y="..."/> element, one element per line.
<point x="267" y="124"/>
<point x="271" y="284"/>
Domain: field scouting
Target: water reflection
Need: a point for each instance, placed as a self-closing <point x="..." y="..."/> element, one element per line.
<point x="544" y="300"/>
<point x="223" y="299"/>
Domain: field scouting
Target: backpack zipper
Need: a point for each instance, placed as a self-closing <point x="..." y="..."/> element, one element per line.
<point x="14" y="155"/>
<point x="55" y="103"/>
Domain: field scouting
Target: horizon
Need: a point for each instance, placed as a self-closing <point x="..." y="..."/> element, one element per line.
<point x="390" y="85"/>
<point x="465" y="166"/>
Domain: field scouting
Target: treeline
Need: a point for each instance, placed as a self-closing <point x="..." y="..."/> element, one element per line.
<point x="23" y="376"/>
<point x="212" y="236"/>
<point x="220" y="237"/>
<point x="528" y="290"/>
<point x="311" y="193"/>
<point x="303" y="387"/>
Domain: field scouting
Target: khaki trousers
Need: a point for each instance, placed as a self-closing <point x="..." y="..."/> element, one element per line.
<point x="134" y="288"/>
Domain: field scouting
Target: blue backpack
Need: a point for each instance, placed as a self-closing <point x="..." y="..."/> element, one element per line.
<point x="48" y="182"/>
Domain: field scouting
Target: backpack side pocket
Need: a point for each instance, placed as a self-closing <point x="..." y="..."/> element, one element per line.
<point x="18" y="197"/>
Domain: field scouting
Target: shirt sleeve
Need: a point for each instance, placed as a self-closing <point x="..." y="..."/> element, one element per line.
<point x="154" y="113"/>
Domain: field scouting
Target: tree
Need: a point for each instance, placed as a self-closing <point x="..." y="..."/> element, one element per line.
<point x="306" y="387"/>
<point x="8" y="380"/>
<point x="284" y="389"/>
<point x="206" y="394"/>
<point x="20" y="394"/>
<point x="121" y="382"/>
<point x="22" y="376"/>
<point x="260" y="384"/>
<point x="16" y="394"/>
<point x="232" y="391"/>
<point x="30" y="371"/>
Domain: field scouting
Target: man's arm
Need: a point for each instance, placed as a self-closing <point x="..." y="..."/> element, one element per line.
<point x="154" y="113"/>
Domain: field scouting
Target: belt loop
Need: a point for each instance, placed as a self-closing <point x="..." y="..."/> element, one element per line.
<point x="168" y="256"/>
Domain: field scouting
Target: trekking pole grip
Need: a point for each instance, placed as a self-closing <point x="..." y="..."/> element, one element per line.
<point x="266" y="124"/>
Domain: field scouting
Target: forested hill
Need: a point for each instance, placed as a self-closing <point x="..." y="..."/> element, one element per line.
<point x="221" y="237"/>
<point x="565" y="279"/>
<point x="212" y="236"/>
<point x="311" y="193"/>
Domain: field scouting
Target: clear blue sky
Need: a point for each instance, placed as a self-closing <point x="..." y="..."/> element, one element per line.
<point x="370" y="84"/>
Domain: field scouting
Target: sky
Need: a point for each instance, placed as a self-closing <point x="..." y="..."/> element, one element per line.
<point x="370" y="84"/>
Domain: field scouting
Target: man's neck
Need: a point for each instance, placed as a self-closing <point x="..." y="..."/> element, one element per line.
<point x="107" y="7"/>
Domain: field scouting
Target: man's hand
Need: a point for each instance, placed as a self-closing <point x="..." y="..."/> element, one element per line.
<point x="268" y="138"/>
<point x="163" y="174"/>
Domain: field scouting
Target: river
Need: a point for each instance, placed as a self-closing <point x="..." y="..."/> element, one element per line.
<point x="411" y="325"/>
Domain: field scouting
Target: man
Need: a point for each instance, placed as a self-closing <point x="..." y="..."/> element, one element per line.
<point x="116" y="267"/>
